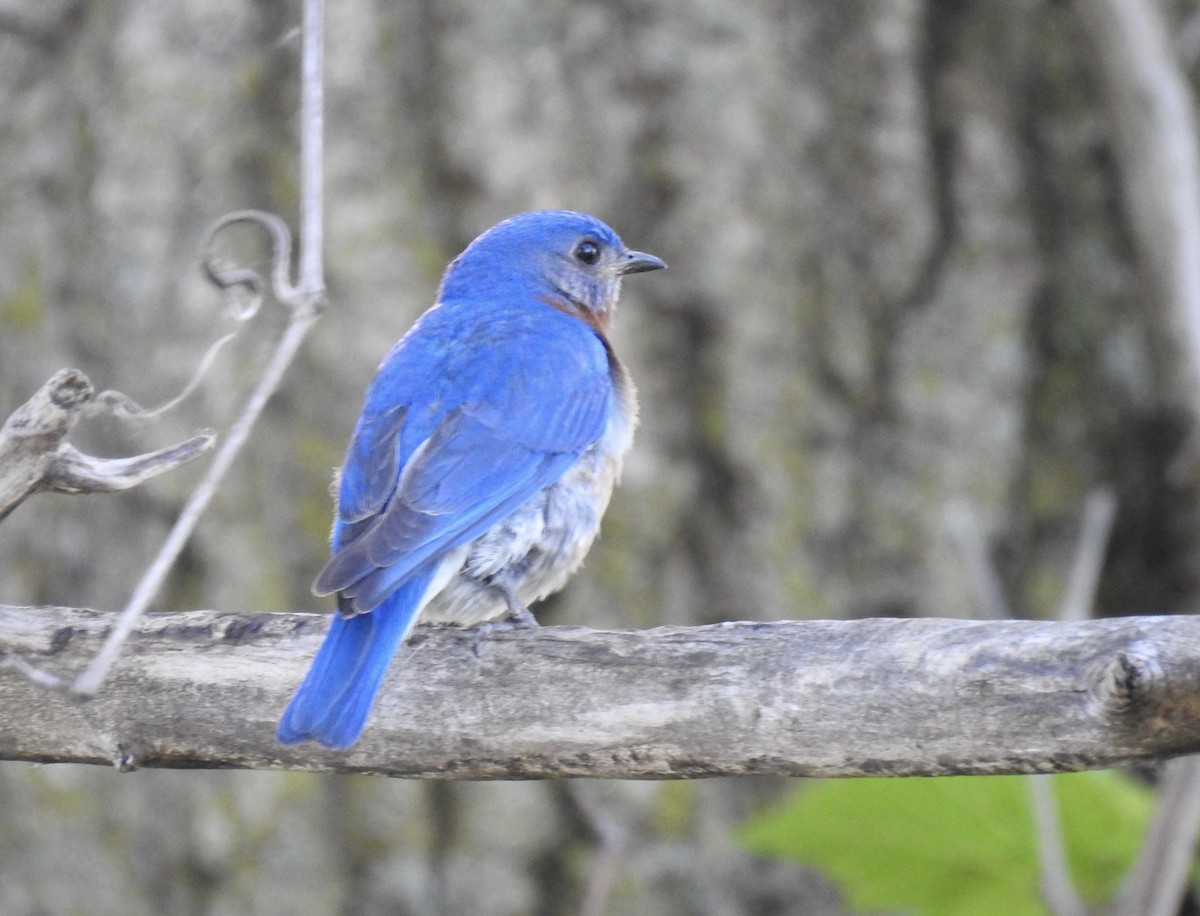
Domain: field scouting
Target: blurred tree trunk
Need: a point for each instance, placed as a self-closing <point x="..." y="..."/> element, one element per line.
<point x="902" y="287"/>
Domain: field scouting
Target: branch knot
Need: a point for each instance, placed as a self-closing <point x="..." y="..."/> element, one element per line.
<point x="1126" y="683"/>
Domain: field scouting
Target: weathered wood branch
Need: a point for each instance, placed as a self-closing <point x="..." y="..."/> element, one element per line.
<point x="813" y="698"/>
<point x="35" y="454"/>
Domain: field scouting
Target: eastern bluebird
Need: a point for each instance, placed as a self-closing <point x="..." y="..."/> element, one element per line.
<point x="485" y="455"/>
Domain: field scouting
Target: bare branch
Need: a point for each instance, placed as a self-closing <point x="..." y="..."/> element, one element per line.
<point x="31" y="437"/>
<point x="35" y="455"/>
<point x="76" y="472"/>
<point x="811" y="698"/>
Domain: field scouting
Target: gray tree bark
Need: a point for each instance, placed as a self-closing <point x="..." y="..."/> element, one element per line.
<point x="817" y="698"/>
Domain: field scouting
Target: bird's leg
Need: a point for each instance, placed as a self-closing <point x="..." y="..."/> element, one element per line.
<point x="518" y="614"/>
<point x="519" y="617"/>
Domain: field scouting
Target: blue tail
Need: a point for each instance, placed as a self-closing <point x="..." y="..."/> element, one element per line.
<point x="335" y="699"/>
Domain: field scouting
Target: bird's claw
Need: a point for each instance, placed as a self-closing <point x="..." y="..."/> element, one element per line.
<point x="519" y="618"/>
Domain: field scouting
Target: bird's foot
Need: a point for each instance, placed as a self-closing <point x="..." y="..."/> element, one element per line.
<point x="519" y="618"/>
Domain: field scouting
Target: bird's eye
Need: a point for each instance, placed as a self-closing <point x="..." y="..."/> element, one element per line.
<point x="587" y="251"/>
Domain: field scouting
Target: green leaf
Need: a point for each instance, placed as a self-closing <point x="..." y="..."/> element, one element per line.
<point x="952" y="846"/>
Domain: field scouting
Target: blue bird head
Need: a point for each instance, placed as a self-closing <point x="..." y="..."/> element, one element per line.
<point x="570" y="260"/>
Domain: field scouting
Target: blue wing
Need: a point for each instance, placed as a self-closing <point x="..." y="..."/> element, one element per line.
<point x="471" y="414"/>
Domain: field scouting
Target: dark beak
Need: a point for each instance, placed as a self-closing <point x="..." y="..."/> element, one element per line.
<point x="638" y="262"/>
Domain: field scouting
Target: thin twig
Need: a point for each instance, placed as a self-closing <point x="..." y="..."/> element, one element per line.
<point x="1078" y="604"/>
<point x="36" y="675"/>
<point x="1057" y="890"/>
<point x="1099" y="510"/>
<point x="305" y="300"/>
<point x="312" y="149"/>
<point x="982" y="578"/>
<point x="244" y="287"/>
<point x="611" y="839"/>
<point x="1157" y="882"/>
<point x="121" y="405"/>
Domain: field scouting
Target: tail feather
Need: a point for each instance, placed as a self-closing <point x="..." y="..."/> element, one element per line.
<point x="334" y="700"/>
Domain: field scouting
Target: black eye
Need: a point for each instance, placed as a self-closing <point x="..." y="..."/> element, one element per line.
<point x="587" y="251"/>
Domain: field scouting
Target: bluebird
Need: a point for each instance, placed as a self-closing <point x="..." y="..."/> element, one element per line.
<point x="486" y="452"/>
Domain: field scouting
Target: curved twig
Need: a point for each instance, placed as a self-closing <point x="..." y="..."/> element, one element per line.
<point x="230" y="278"/>
<point x="242" y="306"/>
<point x="119" y="404"/>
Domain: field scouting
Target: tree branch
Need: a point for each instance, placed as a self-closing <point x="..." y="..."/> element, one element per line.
<point x="813" y="698"/>
<point x="35" y="455"/>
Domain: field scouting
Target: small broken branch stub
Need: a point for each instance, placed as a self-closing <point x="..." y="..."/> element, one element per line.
<point x="35" y="455"/>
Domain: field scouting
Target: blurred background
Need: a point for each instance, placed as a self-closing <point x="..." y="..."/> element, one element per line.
<point x="903" y="292"/>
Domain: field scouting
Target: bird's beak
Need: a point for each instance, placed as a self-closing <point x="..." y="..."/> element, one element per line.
<point x="638" y="262"/>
